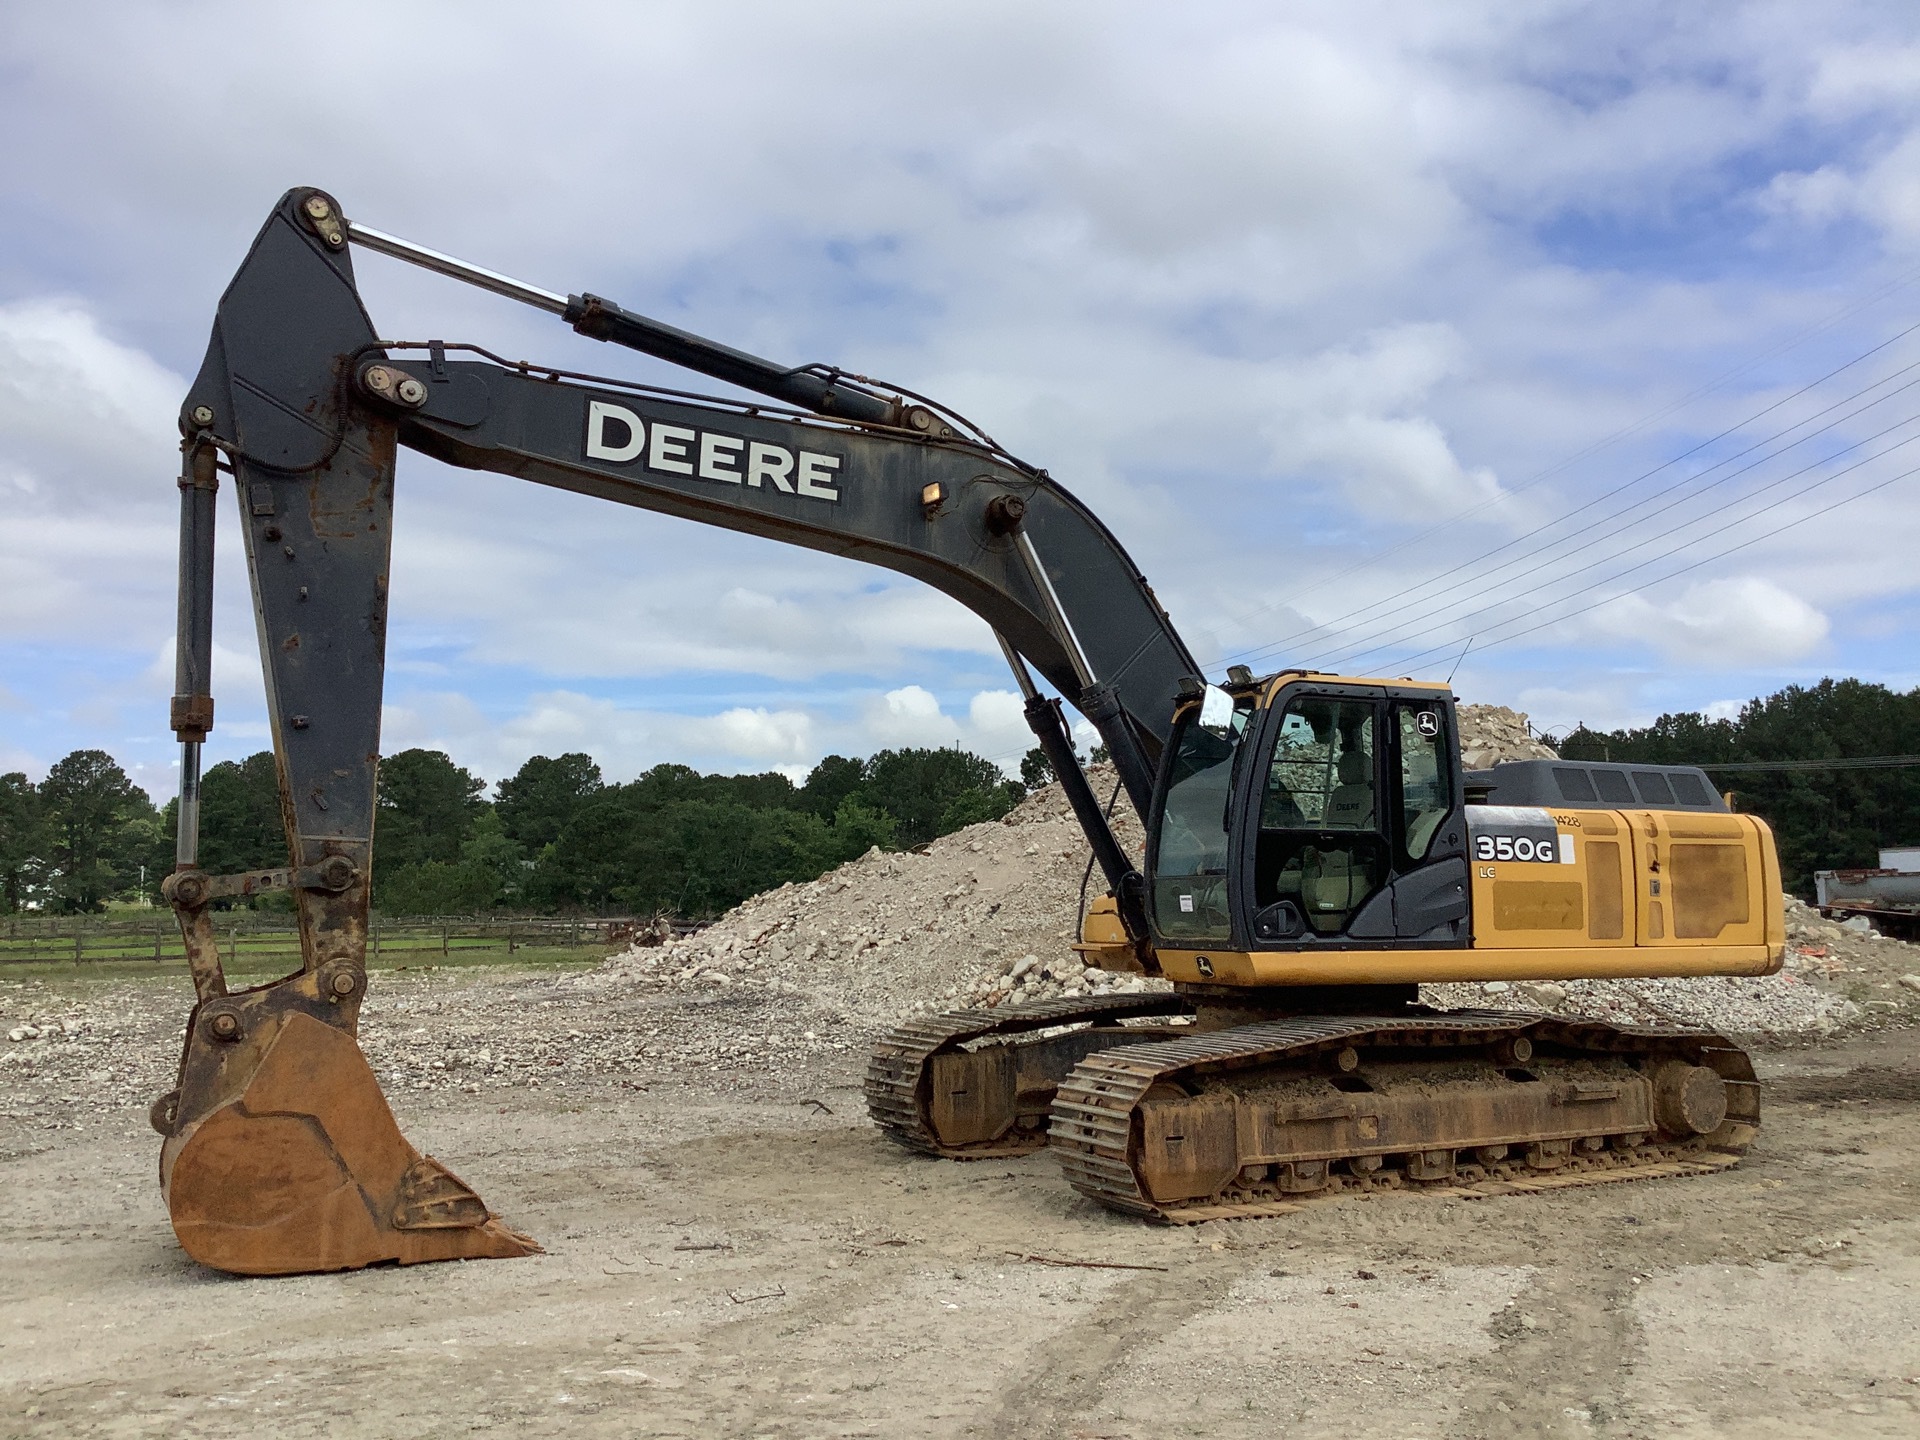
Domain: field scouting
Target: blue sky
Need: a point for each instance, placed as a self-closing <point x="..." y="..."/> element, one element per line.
<point x="1318" y="305"/>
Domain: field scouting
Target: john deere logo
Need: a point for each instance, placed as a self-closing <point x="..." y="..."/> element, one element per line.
<point x="619" y="436"/>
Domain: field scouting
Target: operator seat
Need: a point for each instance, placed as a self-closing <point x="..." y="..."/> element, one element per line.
<point x="1350" y="807"/>
<point x="1334" y="882"/>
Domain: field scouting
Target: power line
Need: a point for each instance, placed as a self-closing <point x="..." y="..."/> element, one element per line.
<point x="1386" y="635"/>
<point x="1843" y="313"/>
<point x="1672" y="574"/>
<point x="1459" y="617"/>
<point x="1861" y="762"/>
<point x="1267" y="648"/>
<point x="1680" y="495"/>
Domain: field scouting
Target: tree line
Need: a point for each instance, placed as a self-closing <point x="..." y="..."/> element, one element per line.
<point x="1821" y="819"/>
<point x="554" y="837"/>
<point x="557" y="837"/>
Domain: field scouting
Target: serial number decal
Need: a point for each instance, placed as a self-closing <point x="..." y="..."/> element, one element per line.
<point x="619" y="436"/>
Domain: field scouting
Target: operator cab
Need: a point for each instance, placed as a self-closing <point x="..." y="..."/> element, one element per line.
<point x="1304" y="810"/>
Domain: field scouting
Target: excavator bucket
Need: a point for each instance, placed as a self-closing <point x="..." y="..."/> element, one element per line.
<point x="282" y="1156"/>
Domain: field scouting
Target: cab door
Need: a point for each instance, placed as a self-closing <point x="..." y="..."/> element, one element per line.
<point x="1430" y="895"/>
<point x="1353" y="827"/>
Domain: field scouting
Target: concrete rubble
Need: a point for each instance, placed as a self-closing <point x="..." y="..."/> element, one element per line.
<point x="1491" y="734"/>
<point x="1834" y="978"/>
<point x="983" y="916"/>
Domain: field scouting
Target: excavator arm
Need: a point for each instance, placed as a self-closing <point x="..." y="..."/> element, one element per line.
<point x="280" y="1154"/>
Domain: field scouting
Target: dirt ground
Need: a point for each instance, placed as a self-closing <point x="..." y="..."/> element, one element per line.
<point x="749" y="1258"/>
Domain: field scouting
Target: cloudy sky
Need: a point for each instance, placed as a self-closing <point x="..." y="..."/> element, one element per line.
<point x="1570" y="336"/>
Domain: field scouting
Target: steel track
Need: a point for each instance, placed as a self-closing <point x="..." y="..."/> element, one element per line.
<point x="896" y="1072"/>
<point x="1091" y="1127"/>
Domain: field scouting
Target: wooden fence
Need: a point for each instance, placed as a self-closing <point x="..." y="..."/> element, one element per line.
<point x="252" y="940"/>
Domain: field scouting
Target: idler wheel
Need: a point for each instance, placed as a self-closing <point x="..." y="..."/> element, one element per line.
<point x="1688" y="1099"/>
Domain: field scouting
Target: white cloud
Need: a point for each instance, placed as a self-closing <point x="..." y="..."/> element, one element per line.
<point x="779" y="737"/>
<point x="906" y="712"/>
<point x="1849" y="80"/>
<point x="1272" y="290"/>
<point x="997" y="712"/>
<point x="627" y="740"/>
<point x="1884" y="192"/>
<point x="911" y="716"/>
<point x="88" y="452"/>
<point x="1816" y="197"/>
<point x="1889" y="192"/>
<point x="1720" y="624"/>
<point x="1355" y="413"/>
<point x="77" y="406"/>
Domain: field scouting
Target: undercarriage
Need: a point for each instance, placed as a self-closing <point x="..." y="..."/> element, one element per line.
<point x="1161" y="1106"/>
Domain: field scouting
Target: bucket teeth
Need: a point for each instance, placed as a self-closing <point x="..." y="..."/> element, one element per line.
<point x="284" y="1158"/>
<point x="432" y="1197"/>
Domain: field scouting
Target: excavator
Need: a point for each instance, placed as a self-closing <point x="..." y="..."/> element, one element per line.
<point x="1315" y="850"/>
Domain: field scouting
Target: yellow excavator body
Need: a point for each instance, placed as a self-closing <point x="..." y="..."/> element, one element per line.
<point x="1647" y="894"/>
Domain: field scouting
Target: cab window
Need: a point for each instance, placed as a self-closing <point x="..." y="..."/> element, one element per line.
<point x="1426" y="776"/>
<point x="1320" y="844"/>
<point x="1190" y="899"/>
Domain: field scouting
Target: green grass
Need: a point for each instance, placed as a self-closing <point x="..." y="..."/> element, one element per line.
<point x="261" y="964"/>
<point x="133" y="940"/>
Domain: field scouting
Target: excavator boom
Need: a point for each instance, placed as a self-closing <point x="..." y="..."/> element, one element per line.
<point x="280" y="1153"/>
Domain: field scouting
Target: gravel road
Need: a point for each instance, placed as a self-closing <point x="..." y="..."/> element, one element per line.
<point x="740" y="1254"/>
<point x="733" y="1251"/>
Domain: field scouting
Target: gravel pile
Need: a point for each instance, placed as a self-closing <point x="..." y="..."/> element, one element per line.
<point x="981" y="916"/>
<point x="1828" y="948"/>
<point x="90" y="1051"/>
<point x="1776" y="1008"/>
<point x="1490" y="734"/>
<point x="73" y="1051"/>
<point x="783" y="993"/>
